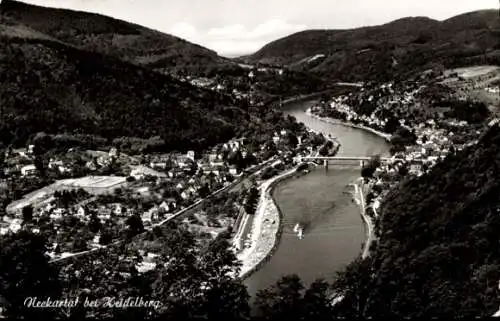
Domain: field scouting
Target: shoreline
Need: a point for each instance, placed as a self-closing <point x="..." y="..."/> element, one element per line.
<point x="334" y="121"/>
<point x="368" y="222"/>
<point x="262" y="249"/>
<point x="266" y="230"/>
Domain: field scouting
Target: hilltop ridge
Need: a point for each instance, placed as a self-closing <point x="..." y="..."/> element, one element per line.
<point x="384" y="51"/>
<point x="124" y="40"/>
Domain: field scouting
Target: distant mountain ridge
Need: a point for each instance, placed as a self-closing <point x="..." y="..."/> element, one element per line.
<point x="398" y="46"/>
<point x="121" y="39"/>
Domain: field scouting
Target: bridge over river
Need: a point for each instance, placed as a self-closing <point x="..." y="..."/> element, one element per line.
<point x="342" y="160"/>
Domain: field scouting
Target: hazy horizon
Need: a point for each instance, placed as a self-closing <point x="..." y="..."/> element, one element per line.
<point x="241" y="27"/>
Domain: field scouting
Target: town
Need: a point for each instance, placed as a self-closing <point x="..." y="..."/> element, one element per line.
<point x="92" y="198"/>
<point x="212" y="161"/>
<point x="422" y="118"/>
<point x="123" y="195"/>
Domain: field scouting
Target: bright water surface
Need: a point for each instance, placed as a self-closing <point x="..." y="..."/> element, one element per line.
<point x="323" y="199"/>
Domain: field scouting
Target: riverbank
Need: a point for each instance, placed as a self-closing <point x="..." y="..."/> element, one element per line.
<point x="385" y="136"/>
<point x="369" y="226"/>
<point x="266" y="229"/>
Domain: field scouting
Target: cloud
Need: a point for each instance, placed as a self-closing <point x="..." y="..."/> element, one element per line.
<point x="268" y="29"/>
<point x="227" y="31"/>
<point x="185" y="30"/>
<point x="235" y="48"/>
<point x="237" y="39"/>
<point x="275" y="27"/>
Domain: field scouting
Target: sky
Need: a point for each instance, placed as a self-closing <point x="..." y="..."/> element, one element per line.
<point x="238" y="27"/>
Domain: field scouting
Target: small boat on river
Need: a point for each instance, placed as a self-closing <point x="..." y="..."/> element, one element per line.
<point x="299" y="230"/>
<point x="299" y="234"/>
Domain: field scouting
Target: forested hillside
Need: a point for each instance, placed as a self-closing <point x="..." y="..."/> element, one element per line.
<point x="48" y="86"/>
<point x="439" y="248"/>
<point x="121" y="39"/>
<point x="388" y="50"/>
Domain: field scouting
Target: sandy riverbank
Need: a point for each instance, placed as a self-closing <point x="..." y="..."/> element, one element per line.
<point x="370" y="230"/>
<point x="385" y="136"/>
<point x="266" y="228"/>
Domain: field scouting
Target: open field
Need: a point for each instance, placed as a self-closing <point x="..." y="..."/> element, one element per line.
<point x="92" y="184"/>
<point x="474" y="71"/>
<point x="98" y="182"/>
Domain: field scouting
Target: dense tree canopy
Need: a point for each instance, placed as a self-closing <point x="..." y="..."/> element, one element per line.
<point x="438" y="254"/>
<point x="25" y="272"/>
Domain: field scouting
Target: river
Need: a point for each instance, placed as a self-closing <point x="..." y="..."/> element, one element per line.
<point x="323" y="199"/>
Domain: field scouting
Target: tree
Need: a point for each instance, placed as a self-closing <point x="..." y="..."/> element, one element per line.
<point x="105" y="237"/>
<point x="94" y="223"/>
<point x="204" y="191"/>
<point x="282" y="301"/>
<point x="135" y="225"/>
<point x="369" y="169"/>
<point x="403" y="137"/>
<point x="251" y="200"/>
<point x="25" y="272"/>
<point x="226" y="297"/>
<point x="315" y="303"/>
<point x="435" y="255"/>
<point x="2" y="162"/>
<point x="79" y="243"/>
<point x="42" y="143"/>
<point x="352" y="283"/>
<point x="40" y="164"/>
<point x="236" y="158"/>
<point x="391" y="125"/>
<point x="27" y="214"/>
<point x="292" y="140"/>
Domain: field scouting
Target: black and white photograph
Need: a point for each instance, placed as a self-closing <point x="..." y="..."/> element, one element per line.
<point x="249" y="159"/>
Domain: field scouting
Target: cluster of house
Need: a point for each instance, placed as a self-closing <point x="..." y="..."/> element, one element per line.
<point x="56" y="214"/>
<point x="10" y="224"/>
<point x="339" y="104"/>
<point x="193" y="173"/>
<point x="101" y="159"/>
<point x="384" y="96"/>
<point x="253" y="73"/>
<point x="433" y="144"/>
<point x="190" y="173"/>
<point x="224" y="85"/>
<point x="207" y="83"/>
<point x="493" y="90"/>
<point x="23" y="162"/>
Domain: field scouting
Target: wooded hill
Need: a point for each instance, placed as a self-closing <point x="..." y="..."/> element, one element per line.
<point x="121" y="39"/>
<point x="439" y="250"/>
<point x="385" y="51"/>
<point x="47" y="85"/>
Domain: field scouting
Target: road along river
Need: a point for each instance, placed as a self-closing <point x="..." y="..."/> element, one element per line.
<point x="323" y="200"/>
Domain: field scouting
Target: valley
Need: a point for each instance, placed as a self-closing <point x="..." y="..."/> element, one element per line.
<point x="334" y="173"/>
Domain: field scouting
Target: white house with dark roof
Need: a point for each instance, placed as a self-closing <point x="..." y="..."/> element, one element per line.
<point x="28" y="170"/>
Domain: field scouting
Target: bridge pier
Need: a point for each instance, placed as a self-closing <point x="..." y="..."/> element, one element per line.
<point x="361" y="163"/>
<point x="325" y="163"/>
